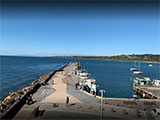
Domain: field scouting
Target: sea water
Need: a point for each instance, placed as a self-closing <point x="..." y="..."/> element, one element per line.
<point x="111" y="76"/>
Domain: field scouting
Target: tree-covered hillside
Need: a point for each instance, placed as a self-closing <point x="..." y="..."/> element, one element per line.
<point x="133" y="57"/>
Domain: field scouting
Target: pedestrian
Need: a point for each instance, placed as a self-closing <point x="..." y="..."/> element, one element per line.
<point x="29" y="99"/>
<point x="52" y="82"/>
<point x="76" y="85"/>
<point x="94" y="93"/>
<point x="67" y="100"/>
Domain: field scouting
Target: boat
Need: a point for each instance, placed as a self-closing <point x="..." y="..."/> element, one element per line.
<point x="83" y="77"/>
<point x="133" y="69"/>
<point x="156" y="82"/>
<point x="143" y="78"/>
<point x="137" y="72"/>
<point x="91" y="83"/>
<point x="142" y="81"/>
<point x="88" y="84"/>
<point x="82" y="72"/>
<point x="150" y="65"/>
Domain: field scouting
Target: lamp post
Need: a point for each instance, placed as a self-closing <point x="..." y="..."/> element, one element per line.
<point x="102" y="91"/>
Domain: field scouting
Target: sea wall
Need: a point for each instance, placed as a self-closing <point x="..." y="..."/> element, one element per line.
<point x="15" y="101"/>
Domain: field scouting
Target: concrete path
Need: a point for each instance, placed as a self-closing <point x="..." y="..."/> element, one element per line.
<point x="81" y="95"/>
<point x="60" y="94"/>
<point x="43" y="92"/>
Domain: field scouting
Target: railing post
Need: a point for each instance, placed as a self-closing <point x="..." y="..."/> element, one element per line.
<point x="101" y="115"/>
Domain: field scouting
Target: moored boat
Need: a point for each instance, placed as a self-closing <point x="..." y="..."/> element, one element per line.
<point x="137" y="72"/>
<point x="91" y="83"/>
<point x="156" y="82"/>
<point x="133" y="69"/>
<point x="142" y="81"/>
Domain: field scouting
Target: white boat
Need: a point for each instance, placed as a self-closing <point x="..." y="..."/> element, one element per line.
<point x="91" y="84"/>
<point x="83" y="77"/>
<point x="137" y="73"/>
<point x="142" y="81"/>
<point x="143" y="78"/>
<point x="150" y="65"/>
<point x="156" y="82"/>
<point x="82" y="73"/>
<point x="133" y="69"/>
<point x="85" y="74"/>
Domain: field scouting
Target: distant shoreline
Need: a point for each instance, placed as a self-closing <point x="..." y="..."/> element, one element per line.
<point x="106" y="59"/>
<point x="130" y="61"/>
<point x="112" y="58"/>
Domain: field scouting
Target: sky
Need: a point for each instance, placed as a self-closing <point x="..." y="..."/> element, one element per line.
<point x="79" y="28"/>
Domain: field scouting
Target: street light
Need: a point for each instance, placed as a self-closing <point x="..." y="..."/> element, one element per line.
<point x="102" y="91"/>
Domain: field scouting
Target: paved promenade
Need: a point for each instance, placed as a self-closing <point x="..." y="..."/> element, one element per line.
<point x="82" y="105"/>
<point x="60" y="87"/>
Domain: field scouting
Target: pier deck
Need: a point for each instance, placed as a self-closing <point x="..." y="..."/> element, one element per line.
<point x="82" y="105"/>
<point x="149" y="92"/>
<point x="60" y="94"/>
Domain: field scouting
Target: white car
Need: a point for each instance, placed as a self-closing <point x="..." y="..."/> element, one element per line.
<point x="156" y="113"/>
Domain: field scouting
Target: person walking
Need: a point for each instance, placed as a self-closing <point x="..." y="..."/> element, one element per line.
<point x="76" y="86"/>
<point x="67" y="101"/>
<point x="94" y="93"/>
<point x="52" y="82"/>
<point x="29" y="99"/>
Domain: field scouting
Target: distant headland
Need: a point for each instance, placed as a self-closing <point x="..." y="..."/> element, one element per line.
<point x="134" y="57"/>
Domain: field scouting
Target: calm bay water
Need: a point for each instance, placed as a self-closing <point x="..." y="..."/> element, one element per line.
<point x="112" y="76"/>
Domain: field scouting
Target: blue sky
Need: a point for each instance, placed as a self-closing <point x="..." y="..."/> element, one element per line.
<point x="100" y="29"/>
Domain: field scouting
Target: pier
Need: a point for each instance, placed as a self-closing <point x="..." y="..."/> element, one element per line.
<point x="49" y="101"/>
<point x="148" y="92"/>
<point x="145" y="88"/>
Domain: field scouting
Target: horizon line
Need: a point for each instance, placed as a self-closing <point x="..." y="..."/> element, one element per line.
<point x="75" y="55"/>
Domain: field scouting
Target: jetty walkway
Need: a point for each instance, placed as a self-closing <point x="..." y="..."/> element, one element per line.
<point x="50" y="102"/>
<point x="148" y="91"/>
